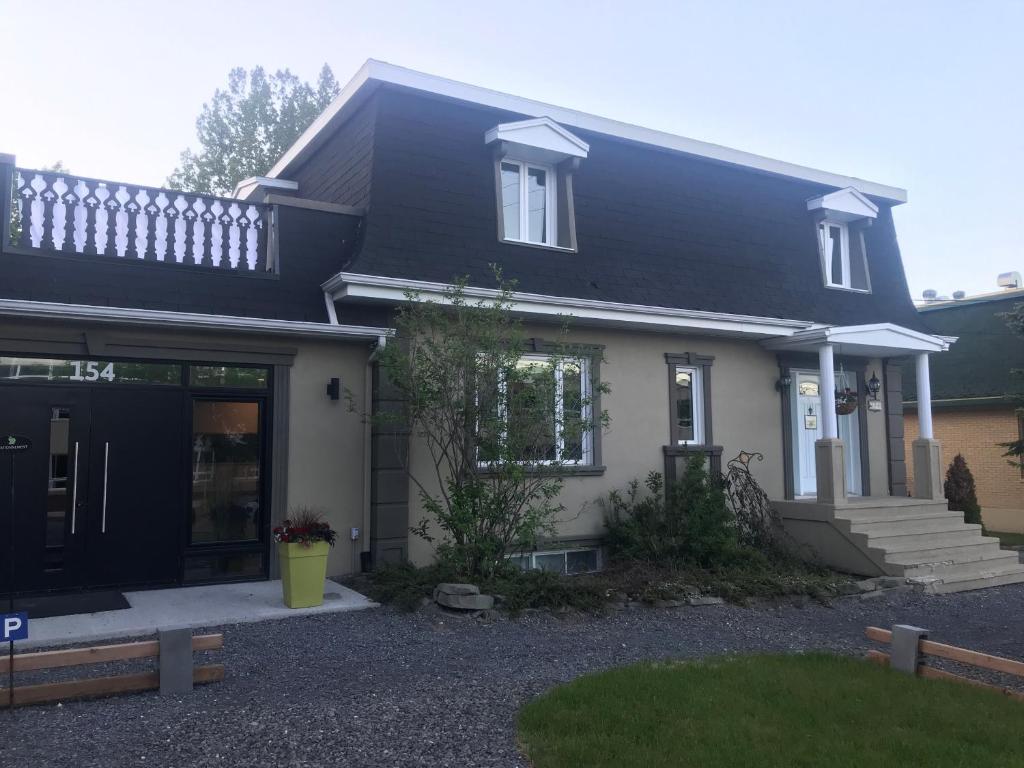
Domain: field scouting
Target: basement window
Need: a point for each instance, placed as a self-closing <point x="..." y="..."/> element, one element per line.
<point x="567" y="561"/>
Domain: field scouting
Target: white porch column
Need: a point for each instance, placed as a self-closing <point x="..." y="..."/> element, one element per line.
<point x="924" y="397"/>
<point x="827" y="372"/>
<point x="829" y="459"/>
<point x="927" y="452"/>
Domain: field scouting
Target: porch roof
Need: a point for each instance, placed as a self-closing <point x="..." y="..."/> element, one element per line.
<point x="874" y="340"/>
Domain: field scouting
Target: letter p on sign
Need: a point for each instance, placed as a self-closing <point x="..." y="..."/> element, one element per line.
<point x="15" y="626"/>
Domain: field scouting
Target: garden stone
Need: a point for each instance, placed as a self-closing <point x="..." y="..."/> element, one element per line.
<point x="463" y="597"/>
<point x="704" y="600"/>
<point x="456" y="589"/>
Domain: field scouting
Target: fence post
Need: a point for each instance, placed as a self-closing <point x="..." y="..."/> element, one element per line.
<point x="7" y="164"/>
<point x="906" y="644"/>
<point x="175" y="660"/>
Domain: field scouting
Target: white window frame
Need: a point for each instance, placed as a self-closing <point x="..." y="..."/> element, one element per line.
<point x="550" y="203"/>
<point x="844" y="255"/>
<point x="532" y="557"/>
<point x="587" y="454"/>
<point x="696" y="398"/>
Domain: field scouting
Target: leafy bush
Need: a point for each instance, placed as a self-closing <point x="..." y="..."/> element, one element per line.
<point x="688" y="521"/>
<point x="960" y="490"/>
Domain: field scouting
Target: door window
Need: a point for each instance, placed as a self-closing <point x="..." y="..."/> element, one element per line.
<point x="226" y="471"/>
<point x="60" y="479"/>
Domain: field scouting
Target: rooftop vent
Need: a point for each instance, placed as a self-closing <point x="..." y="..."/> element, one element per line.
<point x="930" y="294"/>
<point x="958" y="295"/>
<point x="1009" y="280"/>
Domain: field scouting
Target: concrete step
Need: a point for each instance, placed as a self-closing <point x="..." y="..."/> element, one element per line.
<point x="891" y="504"/>
<point x="949" y="554"/>
<point x="988" y="562"/>
<point x="901" y="527"/>
<point x="961" y="535"/>
<point x="967" y="582"/>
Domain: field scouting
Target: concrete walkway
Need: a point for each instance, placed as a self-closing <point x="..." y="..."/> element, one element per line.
<point x="210" y="606"/>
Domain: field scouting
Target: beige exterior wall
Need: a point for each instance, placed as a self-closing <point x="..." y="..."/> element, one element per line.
<point x="977" y="433"/>
<point x="745" y="409"/>
<point x="878" y="450"/>
<point x="326" y="444"/>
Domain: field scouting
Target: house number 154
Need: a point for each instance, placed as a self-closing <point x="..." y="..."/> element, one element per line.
<point x="91" y="371"/>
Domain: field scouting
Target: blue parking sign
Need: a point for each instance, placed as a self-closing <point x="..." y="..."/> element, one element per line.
<point x="13" y="626"/>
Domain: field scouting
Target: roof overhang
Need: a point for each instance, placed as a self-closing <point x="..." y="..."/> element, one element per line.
<point x="149" y="318"/>
<point x="877" y="340"/>
<point x="352" y="287"/>
<point x="375" y="73"/>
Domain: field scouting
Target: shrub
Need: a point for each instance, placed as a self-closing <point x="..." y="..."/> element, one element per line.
<point x="960" y="490"/>
<point x="688" y="521"/>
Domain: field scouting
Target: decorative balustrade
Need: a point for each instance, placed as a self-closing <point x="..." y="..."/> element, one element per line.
<point x="74" y="215"/>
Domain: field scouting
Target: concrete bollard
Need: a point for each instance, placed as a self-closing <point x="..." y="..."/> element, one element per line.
<point x="906" y="654"/>
<point x="175" y="660"/>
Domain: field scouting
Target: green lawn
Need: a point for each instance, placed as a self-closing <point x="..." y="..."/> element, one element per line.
<point x="1007" y="539"/>
<point x="770" y="711"/>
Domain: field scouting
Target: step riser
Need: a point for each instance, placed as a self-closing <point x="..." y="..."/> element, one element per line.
<point x="895" y="544"/>
<point x="944" y="555"/>
<point x="931" y="507"/>
<point x="909" y="527"/>
<point x="962" y="568"/>
<point x="946" y="588"/>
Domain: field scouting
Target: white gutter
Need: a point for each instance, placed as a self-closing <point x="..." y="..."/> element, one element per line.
<point x="46" y="310"/>
<point x="352" y="286"/>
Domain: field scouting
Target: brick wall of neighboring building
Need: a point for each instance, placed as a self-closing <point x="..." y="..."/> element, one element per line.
<point x="977" y="435"/>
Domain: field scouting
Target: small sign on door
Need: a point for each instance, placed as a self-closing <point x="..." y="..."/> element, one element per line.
<point x="14" y="443"/>
<point x="13" y="626"/>
<point x="810" y="421"/>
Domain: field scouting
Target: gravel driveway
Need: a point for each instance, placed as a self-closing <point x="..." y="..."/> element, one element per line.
<point x="382" y="688"/>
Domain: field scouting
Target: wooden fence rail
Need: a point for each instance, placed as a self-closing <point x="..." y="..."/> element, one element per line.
<point x="175" y="674"/>
<point x="909" y="656"/>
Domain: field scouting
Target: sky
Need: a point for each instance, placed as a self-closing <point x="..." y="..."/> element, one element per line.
<point x="928" y="96"/>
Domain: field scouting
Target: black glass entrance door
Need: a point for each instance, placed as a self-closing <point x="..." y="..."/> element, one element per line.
<point x="51" y="487"/>
<point x="136" y="495"/>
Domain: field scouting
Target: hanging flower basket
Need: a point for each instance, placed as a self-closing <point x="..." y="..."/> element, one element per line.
<point x="846" y="402"/>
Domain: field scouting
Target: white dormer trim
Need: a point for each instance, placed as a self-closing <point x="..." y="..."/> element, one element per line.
<point x="844" y="205"/>
<point x="540" y="133"/>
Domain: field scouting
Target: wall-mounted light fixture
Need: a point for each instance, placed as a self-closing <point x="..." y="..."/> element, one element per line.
<point x="783" y="383"/>
<point x="334" y="389"/>
<point x="873" y="386"/>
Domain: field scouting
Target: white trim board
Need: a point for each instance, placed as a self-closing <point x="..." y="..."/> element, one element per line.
<point x="876" y="339"/>
<point x="352" y="286"/>
<point x="46" y="310"/>
<point x="376" y="72"/>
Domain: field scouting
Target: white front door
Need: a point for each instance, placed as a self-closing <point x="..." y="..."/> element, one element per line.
<point x="807" y="428"/>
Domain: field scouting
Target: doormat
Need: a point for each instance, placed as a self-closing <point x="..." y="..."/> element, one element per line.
<point x="48" y="606"/>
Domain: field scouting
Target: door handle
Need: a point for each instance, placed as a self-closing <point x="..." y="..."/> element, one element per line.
<point x="74" y="492"/>
<point x="106" y="467"/>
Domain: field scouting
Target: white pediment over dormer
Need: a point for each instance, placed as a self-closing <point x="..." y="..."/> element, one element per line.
<point x="539" y="136"/>
<point x="844" y="205"/>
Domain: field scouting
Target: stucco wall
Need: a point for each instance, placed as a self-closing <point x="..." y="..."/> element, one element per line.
<point x="326" y="443"/>
<point x="745" y="408"/>
<point x="977" y="433"/>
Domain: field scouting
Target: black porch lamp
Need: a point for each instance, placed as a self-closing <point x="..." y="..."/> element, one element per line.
<point x="874" y="385"/>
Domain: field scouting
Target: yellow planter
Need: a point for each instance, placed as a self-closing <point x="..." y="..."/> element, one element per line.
<point x="303" y="570"/>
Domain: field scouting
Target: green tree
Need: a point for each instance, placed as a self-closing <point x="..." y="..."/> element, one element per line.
<point x="484" y="417"/>
<point x="244" y="129"/>
<point x="961" y="493"/>
<point x="1015" y="449"/>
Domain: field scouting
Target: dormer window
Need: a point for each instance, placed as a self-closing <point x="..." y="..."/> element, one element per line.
<point x="534" y="162"/>
<point x="528" y="203"/>
<point x="841" y="219"/>
<point x="842" y="251"/>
